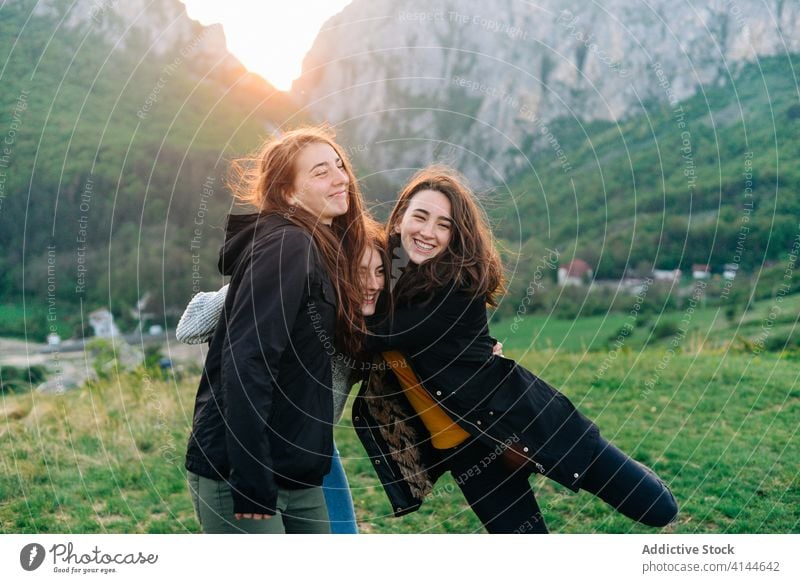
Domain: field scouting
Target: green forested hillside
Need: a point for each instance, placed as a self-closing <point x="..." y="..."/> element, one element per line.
<point x="114" y="163"/>
<point x="672" y="184"/>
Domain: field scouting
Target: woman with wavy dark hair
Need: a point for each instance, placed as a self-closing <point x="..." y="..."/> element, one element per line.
<point x="491" y="422"/>
<point x="262" y="437"/>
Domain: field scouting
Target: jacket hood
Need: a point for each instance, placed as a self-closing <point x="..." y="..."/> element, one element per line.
<point x="240" y="232"/>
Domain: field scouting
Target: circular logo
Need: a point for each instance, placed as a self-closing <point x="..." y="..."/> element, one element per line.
<point x="31" y="556"/>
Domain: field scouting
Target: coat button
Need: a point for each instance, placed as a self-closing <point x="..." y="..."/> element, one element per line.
<point x="479" y="421"/>
<point x="398" y="509"/>
<point x="357" y="418"/>
<point x="576" y="475"/>
<point x="379" y="461"/>
<point x="438" y="393"/>
<point x="491" y="412"/>
<point x="525" y="449"/>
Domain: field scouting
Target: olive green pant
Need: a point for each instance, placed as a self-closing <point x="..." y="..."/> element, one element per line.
<point x="299" y="511"/>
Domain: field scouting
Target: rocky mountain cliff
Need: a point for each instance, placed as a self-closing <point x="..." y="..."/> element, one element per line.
<point x="154" y="30"/>
<point x="477" y="84"/>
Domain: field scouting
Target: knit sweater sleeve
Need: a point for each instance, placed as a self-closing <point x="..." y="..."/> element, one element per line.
<point x="200" y="317"/>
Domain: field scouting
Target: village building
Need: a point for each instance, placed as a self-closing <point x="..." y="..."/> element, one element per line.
<point x="102" y="322"/>
<point x="576" y="272"/>
<point x="701" y="271"/>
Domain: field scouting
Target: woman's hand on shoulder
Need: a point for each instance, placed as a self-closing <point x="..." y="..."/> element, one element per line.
<point x="497" y="349"/>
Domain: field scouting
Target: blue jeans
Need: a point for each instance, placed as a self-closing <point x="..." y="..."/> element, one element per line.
<point x="341" y="513"/>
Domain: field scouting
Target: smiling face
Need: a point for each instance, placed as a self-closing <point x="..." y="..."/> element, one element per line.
<point x="373" y="279"/>
<point x="320" y="182"/>
<point x="426" y="227"/>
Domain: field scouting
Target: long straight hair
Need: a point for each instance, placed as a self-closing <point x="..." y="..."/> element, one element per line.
<point x="266" y="181"/>
<point x="470" y="261"/>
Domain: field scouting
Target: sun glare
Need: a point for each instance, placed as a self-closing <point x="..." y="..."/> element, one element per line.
<point x="269" y="38"/>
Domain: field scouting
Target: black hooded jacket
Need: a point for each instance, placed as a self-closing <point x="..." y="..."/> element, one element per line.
<point x="264" y="409"/>
<point x="446" y="341"/>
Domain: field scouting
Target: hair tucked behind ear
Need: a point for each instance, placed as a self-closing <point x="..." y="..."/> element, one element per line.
<point x="265" y="181"/>
<point x="470" y="261"/>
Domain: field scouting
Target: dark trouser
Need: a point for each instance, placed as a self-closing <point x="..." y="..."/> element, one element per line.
<point x="300" y="511"/>
<point x="630" y="487"/>
<point x="504" y="502"/>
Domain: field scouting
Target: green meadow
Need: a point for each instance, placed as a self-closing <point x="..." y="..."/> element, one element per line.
<point x="717" y="424"/>
<point x="775" y="323"/>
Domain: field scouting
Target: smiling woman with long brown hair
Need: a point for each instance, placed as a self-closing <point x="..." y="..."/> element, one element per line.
<point x="262" y="436"/>
<point x="496" y="421"/>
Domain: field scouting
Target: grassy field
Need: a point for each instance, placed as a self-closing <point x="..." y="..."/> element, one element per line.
<point x="708" y="325"/>
<point x="721" y="428"/>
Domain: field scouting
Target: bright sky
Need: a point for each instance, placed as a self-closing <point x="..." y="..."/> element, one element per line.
<point x="270" y="38"/>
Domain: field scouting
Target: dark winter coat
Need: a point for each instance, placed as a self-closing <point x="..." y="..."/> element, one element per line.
<point x="264" y="410"/>
<point x="447" y="344"/>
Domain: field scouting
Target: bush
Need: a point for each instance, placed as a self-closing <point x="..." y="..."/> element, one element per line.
<point x="787" y="342"/>
<point x="664" y="329"/>
<point x="21" y="380"/>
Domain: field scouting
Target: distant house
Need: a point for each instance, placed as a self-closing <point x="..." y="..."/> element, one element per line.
<point x="729" y="271"/>
<point x="701" y="271"/>
<point x="669" y="275"/>
<point x="576" y="272"/>
<point x="634" y="285"/>
<point x="102" y="322"/>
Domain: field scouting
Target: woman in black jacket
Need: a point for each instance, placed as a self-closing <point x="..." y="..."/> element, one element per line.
<point x="261" y="438"/>
<point x="513" y="422"/>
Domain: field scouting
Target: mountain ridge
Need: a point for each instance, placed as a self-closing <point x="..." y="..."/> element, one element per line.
<point x="386" y="73"/>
